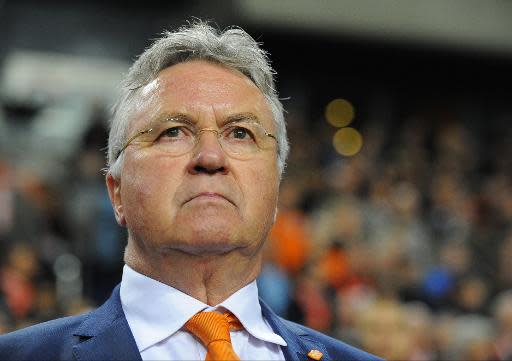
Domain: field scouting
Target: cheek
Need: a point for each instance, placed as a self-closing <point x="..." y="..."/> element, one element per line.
<point x="148" y="189"/>
<point x="262" y="188"/>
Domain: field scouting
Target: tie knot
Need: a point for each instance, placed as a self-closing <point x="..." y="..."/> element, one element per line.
<point x="212" y="326"/>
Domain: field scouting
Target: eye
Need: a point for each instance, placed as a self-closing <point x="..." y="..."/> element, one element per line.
<point x="240" y="133"/>
<point x="174" y="133"/>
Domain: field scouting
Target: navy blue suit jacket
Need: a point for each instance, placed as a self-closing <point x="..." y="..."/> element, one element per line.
<point x="104" y="334"/>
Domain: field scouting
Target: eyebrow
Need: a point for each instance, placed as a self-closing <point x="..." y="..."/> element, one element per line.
<point x="234" y="118"/>
<point x="176" y="117"/>
<point x="240" y="117"/>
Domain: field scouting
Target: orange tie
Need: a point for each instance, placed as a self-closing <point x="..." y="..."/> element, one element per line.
<point x="212" y="329"/>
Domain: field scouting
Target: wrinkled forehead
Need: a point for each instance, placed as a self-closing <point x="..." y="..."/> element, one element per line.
<point x="205" y="91"/>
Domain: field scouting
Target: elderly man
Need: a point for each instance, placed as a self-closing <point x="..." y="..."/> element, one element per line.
<point x="197" y="148"/>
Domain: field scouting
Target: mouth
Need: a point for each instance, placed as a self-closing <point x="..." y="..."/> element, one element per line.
<point x="209" y="196"/>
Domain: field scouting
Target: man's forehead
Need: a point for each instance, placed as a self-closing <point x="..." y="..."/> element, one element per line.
<point x="200" y="76"/>
<point x="201" y="86"/>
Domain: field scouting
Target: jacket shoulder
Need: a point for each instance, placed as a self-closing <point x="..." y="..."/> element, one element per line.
<point x="337" y="349"/>
<point x="52" y="340"/>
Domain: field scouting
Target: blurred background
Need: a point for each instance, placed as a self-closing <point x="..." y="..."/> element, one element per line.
<point x="394" y="232"/>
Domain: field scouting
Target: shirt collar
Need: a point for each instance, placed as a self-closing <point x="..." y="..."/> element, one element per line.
<point x="155" y="310"/>
<point x="245" y="305"/>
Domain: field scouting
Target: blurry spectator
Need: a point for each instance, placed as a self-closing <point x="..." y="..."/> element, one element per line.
<point x="94" y="231"/>
<point x="6" y="199"/>
<point x="311" y="296"/>
<point x="79" y="306"/>
<point x="289" y="238"/>
<point x="419" y="324"/>
<point x="504" y="251"/>
<point x="384" y="330"/>
<point x="440" y="281"/>
<point x="335" y="265"/>
<point x="46" y="305"/>
<point x="17" y="280"/>
<point x="502" y="312"/>
<point x="275" y="288"/>
<point x="444" y="334"/>
<point x="350" y="302"/>
<point x="472" y="294"/>
<point x="474" y="339"/>
<point x="4" y="323"/>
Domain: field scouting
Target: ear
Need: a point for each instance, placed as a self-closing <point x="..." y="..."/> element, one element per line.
<point x="114" y="192"/>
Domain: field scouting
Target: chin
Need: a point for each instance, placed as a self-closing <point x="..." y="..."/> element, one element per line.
<point x="212" y="237"/>
<point x="206" y="248"/>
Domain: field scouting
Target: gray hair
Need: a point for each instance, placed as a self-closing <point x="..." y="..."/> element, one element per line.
<point x="233" y="48"/>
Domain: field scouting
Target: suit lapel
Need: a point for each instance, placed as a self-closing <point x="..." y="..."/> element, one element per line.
<point x="299" y="343"/>
<point x="105" y="334"/>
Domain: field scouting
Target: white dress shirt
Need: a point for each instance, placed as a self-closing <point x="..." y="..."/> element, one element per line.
<point x="157" y="312"/>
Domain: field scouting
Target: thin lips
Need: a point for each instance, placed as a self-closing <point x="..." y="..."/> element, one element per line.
<point x="210" y="194"/>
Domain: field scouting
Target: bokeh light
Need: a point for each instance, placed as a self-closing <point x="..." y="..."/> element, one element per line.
<point x="339" y="112"/>
<point x="347" y="141"/>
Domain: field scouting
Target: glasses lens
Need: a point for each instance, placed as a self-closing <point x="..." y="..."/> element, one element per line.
<point x="243" y="139"/>
<point x="170" y="137"/>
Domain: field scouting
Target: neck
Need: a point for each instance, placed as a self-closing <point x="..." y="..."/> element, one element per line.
<point x="209" y="278"/>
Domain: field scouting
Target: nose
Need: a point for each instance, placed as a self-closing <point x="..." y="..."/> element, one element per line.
<point x="208" y="156"/>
